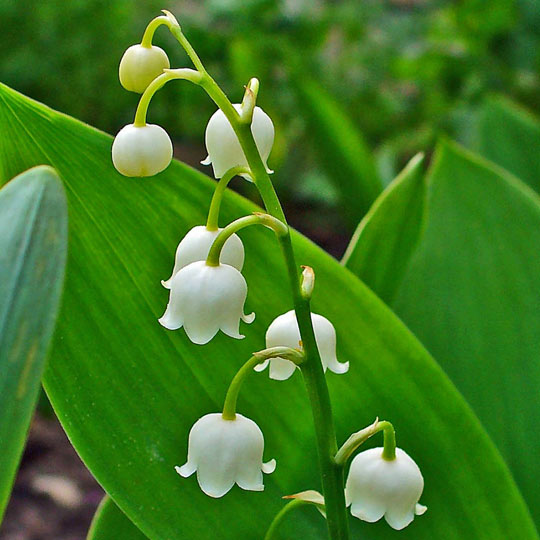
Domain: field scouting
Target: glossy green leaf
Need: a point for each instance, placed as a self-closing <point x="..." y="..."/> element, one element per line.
<point x="127" y="391"/>
<point x="384" y="240"/>
<point x="471" y="293"/>
<point x="510" y="136"/>
<point x="110" y="523"/>
<point x="33" y="244"/>
<point x="340" y="149"/>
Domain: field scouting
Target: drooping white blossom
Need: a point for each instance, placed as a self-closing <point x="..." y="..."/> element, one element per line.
<point x="141" y="151"/>
<point x="204" y="299"/>
<point x="140" y="65"/>
<point x="284" y="332"/>
<point x="196" y="245"/>
<point x="223" y="146"/>
<point x="225" y="452"/>
<point x="377" y="487"/>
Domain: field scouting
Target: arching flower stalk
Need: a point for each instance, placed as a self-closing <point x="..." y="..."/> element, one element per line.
<point x="208" y="293"/>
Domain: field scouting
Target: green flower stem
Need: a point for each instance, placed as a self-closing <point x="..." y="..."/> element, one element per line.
<point x="229" y="407"/>
<point x="212" y="223"/>
<point x="256" y="219"/>
<point x="153" y="25"/>
<point x="295" y="503"/>
<point x="156" y="84"/>
<point x="331" y="473"/>
<point x="360" y="437"/>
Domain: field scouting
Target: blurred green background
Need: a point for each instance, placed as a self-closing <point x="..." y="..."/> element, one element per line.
<point x="403" y="71"/>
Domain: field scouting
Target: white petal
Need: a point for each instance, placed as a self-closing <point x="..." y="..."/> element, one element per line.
<point x="172" y="318"/>
<point x="186" y="470"/>
<point x="269" y="467"/>
<point x="141" y="151"/>
<point x="196" y="245"/>
<point x="206" y="298"/>
<point x="262" y="366"/>
<point x="284" y="332"/>
<point x="398" y="521"/>
<point x="371" y="514"/>
<point x="281" y="369"/>
<point x="393" y="486"/>
<point x="206" y="161"/>
<point x="248" y="319"/>
<point x="223" y="147"/>
<point x="420" y="509"/>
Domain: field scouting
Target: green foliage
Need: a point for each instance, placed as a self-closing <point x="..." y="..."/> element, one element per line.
<point x="510" y="137"/>
<point x="110" y="523"/>
<point x="468" y="288"/>
<point x="386" y="238"/>
<point x="342" y="150"/>
<point x="127" y="391"/>
<point x="33" y="244"/>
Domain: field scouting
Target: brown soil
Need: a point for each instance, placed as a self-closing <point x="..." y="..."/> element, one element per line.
<point x="54" y="497"/>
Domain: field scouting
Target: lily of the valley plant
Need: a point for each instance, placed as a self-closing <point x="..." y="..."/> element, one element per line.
<point x="207" y="295"/>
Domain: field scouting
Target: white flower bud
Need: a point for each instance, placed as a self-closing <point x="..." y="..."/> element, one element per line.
<point x="196" y="245"/>
<point x="140" y="66"/>
<point x="141" y="151"/>
<point x="225" y="452"/>
<point x="223" y="146"/>
<point x="284" y="332"/>
<point x="377" y="487"/>
<point x="205" y="299"/>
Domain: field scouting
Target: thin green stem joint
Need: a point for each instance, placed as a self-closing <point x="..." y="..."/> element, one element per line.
<point x="229" y="407"/>
<point x="360" y="437"/>
<point x="255" y="219"/>
<point x="156" y="84"/>
<point x="153" y="25"/>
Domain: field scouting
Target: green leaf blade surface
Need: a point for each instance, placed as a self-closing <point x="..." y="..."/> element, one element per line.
<point x="110" y="523"/>
<point x="387" y="236"/>
<point x="510" y="137"/>
<point x="33" y="244"/>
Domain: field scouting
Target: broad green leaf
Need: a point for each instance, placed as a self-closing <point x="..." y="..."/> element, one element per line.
<point x="384" y="240"/>
<point x="110" y="523"/>
<point x="33" y="244"/>
<point x="340" y="149"/>
<point x="471" y="293"/>
<point x="127" y="391"/>
<point x="510" y="136"/>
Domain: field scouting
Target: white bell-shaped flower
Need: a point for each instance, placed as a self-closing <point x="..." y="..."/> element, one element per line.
<point x="223" y="146"/>
<point x="205" y="299"/>
<point x="196" y="245"/>
<point x="284" y="332"/>
<point x="141" y="150"/>
<point x="377" y="487"/>
<point x="140" y="66"/>
<point x="225" y="452"/>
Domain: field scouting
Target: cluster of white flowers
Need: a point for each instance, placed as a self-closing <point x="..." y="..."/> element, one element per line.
<point x="209" y="295"/>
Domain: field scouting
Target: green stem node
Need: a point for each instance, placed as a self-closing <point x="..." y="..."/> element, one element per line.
<point x="256" y="219"/>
